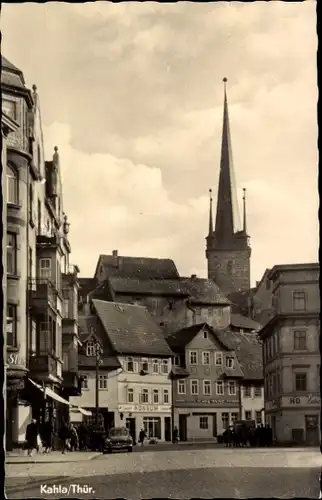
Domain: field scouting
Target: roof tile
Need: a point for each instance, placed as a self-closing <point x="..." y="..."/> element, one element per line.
<point x="139" y="267"/>
<point x="131" y="329"/>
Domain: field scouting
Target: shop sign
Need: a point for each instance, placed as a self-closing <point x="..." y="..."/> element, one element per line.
<point x="144" y="408"/>
<point x="14" y="359"/>
<point x="216" y="401"/>
<point x="271" y="405"/>
<point x="309" y="400"/>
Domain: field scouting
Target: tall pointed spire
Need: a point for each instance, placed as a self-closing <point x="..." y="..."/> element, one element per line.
<point x="227" y="216"/>
<point x="211" y="225"/>
<point x="244" y="211"/>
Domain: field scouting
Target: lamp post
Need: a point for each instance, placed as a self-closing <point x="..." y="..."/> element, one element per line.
<point x="98" y="352"/>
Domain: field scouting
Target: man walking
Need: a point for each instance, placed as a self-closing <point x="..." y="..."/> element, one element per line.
<point x="32" y="436"/>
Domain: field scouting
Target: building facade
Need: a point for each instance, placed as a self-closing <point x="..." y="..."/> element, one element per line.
<point x="206" y="384"/>
<point x="37" y="256"/>
<point x="291" y="355"/>
<point x="228" y="250"/>
<point x="134" y="370"/>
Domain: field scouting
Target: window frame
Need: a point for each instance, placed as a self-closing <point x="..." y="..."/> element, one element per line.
<point x="11" y="113"/>
<point x="232" y="385"/>
<point x="164" y="366"/>
<point x="247" y="391"/>
<point x="144" y="362"/>
<point x="296" y="298"/>
<point x="295" y="339"/>
<point x="144" y="392"/>
<point x="13" y="250"/>
<point x="129" y="359"/>
<point x="165" y="392"/>
<point x="90" y="344"/>
<point x="225" y="419"/>
<point x="207" y="383"/>
<point x="155" y="364"/>
<point x="303" y="374"/>
<point x="12" y="322"/>
<point x="130" y="391"/>
<point x="85" y="382"/>
<point x="192" y="383"/>
<point x="220" y="383"/>
<point x="229" y="358"/>
<point x="12" y="182"/>
<point x="203" y="358"/>
<point x="195" y="353"/>
<point x="256" y="389"/>
<point x="48" y="274"/>
<point x="104" y="379"/>
<point x="181" y="383"/>
<point x="258" y="417"/>
<point x="204" y="422"/>
<point x="155" y="392"/>
<point x="251" y="415"/>
<point x="218" y="356"/>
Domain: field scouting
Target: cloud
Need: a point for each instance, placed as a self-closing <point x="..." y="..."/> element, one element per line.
<point x="132" y="93"/>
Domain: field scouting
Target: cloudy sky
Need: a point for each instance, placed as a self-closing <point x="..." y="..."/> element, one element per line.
<point x="132" y="94"/>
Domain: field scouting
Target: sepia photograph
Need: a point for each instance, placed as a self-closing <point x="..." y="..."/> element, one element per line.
<point x="161" y="317"/>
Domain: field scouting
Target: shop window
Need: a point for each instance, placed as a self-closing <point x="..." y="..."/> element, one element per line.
<point x="234" y="417"/>
<point x="84" y="382"/>
<point x="225" y="420"/>
<point x="152" y="427"/>
<point x="248" y="415"/>
<point x="258" y="417"/>
<point x="203" y="423"/>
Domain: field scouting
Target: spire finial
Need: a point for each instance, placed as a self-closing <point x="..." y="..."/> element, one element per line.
<point x="34" y="87"/>
<point x="244" y="210"/>
<point x="56" y="149"/>
<point x="211" y="225"/>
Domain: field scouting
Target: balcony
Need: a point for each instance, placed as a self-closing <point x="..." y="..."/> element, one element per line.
<point x="70" y="275"/>
<point x="41" y="294"/>
<point x="43" y="365"/>
<point x="47" y="238"/>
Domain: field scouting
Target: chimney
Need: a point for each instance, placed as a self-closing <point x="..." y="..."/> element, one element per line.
<point x="193" y="276"/>
<point x="115" y="253"/>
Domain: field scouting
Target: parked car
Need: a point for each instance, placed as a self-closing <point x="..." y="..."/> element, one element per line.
<point x="117" y="439"/>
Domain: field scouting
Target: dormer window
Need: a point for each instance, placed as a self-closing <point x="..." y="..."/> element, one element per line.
<point x="229" y="362"/>
<point x="90" y="348"/>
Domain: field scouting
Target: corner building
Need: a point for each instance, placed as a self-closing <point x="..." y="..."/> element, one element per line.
<point x="291" y="355"/>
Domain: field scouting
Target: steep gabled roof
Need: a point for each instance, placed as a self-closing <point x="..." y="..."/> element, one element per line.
<point x="243" y="322"/>
<point x="197" y="290"/>
<point x="137" y="267"/>
<point x="131" y="329"/>
<point x="180" y="339"/>
<point x="11" y="76"/>
<point x="248" y="349"/>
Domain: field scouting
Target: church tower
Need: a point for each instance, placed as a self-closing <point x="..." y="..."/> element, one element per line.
<point x="228" y="250"/>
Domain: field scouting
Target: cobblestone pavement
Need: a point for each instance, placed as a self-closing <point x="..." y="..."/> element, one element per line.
<point x="55" y="456"/>
<point x="209" y="473"/>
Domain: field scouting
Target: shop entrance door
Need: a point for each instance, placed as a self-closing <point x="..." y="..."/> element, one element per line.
<point x="167" y="428"/>
<point x="312" y="430"/>
<point x="183" y="427"/>
<point x="214" y="424"/>
<point x="130" y="425"/>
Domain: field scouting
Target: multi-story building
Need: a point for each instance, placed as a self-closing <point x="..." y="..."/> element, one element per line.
<point x="134" y="376"/>
<point x="206" y="390"/>
<point x="37" y="256"/>
<point x="228" y="250"/>
<point x="291" y="354"/>
<point x="175" y="303"/>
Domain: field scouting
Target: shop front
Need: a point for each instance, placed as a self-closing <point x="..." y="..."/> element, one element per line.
<point x="205" y="419"/>
<point x="155" y="420"/>
<point x="297" y="420"/>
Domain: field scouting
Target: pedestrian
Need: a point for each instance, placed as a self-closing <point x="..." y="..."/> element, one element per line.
<point x="74" y="441"/>
<point x="175" y="435"/>
<point x="48" y="436"/>
<point x="32" y="436"/>
<point x="65" y="436"/>
<point x="142" y="436"/>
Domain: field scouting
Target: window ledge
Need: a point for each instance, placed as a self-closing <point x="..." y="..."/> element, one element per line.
<point x="14" y="276"/>
<point x="15" y="206"/>
<point x="12" y="348"/>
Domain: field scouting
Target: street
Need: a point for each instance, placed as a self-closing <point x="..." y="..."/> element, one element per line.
<point x="206" y="473"/>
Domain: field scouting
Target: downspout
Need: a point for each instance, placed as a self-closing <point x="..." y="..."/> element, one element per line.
<point x="172" y="406"/>
<point x="240" y="401"/>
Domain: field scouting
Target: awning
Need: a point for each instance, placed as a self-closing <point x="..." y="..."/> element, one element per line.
<point x="82" y="410"/>
<point x="52" y="394"/>
<point x="49" y="392"/>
